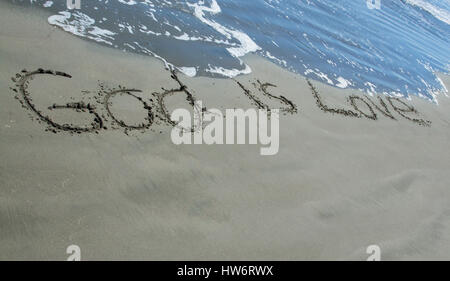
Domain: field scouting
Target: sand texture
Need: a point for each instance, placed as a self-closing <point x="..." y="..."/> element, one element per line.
<point x="346" y="176"/>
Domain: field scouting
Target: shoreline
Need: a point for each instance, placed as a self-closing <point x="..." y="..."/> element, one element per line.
<point x="337" y="185"/>
<point x="248" y="57"/>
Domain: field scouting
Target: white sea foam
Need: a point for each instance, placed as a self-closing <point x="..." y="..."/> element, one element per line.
<point x="81" y="25"/>
<point x="437" y="12"/>
<point x="343" y="83"/>
<point x="247" y="45"/>
<point x="228" y="72"/>
<point x="319" y="74"/>
<point x="48" y="4"/>
<point x="129" y="2"/>
<point x="189" y="71"/>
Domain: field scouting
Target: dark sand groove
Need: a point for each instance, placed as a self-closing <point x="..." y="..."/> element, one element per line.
<point x="22" y="85"/>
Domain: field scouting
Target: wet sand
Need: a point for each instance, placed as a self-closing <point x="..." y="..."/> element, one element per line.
<point x="338" y="184"/>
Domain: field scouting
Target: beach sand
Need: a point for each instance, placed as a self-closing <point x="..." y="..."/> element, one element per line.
<point x="337" y="185"/>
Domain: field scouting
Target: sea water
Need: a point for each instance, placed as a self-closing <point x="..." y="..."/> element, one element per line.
<point x="396" y="49"/>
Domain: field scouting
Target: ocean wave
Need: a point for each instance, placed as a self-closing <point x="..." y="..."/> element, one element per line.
<point x="397" y="49"/>
<point x="236" y="42"/>
<point x="438" y="12"/>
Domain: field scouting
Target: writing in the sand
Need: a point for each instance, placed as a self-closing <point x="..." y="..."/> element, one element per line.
<point x="103" y="117"/>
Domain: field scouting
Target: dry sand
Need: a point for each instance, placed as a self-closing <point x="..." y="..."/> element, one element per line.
<point x="337" y="185"/>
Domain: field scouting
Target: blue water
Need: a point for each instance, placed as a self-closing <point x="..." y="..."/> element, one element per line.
<point x="396" y="49"/>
